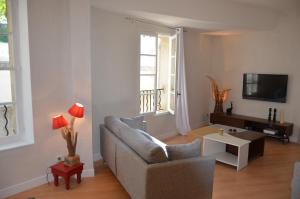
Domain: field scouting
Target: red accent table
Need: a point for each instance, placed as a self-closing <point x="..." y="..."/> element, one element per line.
<point x="60" y="169"/>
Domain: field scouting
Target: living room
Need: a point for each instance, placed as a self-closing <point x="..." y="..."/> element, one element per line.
<point x="88" y="52"/>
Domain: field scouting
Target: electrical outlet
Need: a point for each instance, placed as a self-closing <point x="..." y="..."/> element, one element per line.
<point x="59" y="158"/>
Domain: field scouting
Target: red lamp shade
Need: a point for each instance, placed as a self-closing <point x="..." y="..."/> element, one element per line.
<point x="77" y="110"/>
<point x="58" y="122"/>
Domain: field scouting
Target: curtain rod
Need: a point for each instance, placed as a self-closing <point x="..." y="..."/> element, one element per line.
<point x="151" y="23"/>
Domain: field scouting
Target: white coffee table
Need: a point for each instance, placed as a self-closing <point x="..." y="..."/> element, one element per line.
<point x="215" y="145"/>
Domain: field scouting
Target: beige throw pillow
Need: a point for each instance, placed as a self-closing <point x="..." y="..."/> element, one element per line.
<point x="183" y="151"/>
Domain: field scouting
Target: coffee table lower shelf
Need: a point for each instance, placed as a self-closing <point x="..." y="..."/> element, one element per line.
<point x="215" y="145"/>
<point x="226" y="158"/>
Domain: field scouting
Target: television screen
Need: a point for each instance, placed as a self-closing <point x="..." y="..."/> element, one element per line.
<point x="265" y="87"/>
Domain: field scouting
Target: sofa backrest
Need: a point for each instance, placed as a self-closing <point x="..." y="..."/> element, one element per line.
<point x="129" y="168"/>
<point x="137" y="140"/>
<point x="115" y="125"/>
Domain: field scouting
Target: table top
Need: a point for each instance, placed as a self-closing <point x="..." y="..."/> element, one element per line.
<point x="227" y="139"/>
<point x="64" y="168"/>
<point x="248" y="135"/>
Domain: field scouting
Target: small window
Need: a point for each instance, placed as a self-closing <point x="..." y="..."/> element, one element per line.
<point x="157" y="73"/>
<point x="16" y="120"/>
<point x="7" y="74"/>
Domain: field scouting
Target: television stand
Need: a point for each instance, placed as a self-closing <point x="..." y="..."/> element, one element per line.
<point x="284" y="131"/>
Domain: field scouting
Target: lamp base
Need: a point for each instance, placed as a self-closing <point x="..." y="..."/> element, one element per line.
<point x="72" y="160"/>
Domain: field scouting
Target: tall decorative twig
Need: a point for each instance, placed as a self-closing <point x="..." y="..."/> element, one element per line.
<point x="68" y="135"/>
<point x="219" y="95"/>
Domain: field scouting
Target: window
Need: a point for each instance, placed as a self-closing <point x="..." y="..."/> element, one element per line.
<point x="16" y="126"/>
<point x="7" y="97"/>
<point x="172" y="74"/>
<point x="157" y="73"/>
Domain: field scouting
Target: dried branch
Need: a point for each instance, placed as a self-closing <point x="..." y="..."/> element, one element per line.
<point x="75" y="141"/>
<point x="63" y="133"/>
<point x="70" y="137"/>
<point x="219" y="95"/>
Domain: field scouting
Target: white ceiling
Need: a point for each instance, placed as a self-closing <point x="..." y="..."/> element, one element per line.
<point x="278" y="5"/>
<point x="207" y="15"/>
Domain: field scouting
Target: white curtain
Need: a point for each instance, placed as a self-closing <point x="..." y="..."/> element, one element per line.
<point x="181" y="113"/>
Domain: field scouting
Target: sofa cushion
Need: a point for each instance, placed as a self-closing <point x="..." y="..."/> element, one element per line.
<point x="139" y="141"/>
<point x="183" y="151"/>
<point x="148" y="150"/>
<point x="135" y="122"/>
<point x="155" y="140"/>
<point x="115" y="125"/>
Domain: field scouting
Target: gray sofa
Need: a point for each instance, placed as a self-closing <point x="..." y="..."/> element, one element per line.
<point x="190" y="178"/>
<point x="296" y="182"/>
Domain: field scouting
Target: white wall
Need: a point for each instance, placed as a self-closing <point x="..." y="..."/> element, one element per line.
<point x="80" y="48"/>
<point x="115" y="74"/>
<point x="198" y="64"/>
<point x="275" y="51"/>
<point x="114" y="70"/>
<point x="53" y="92"/>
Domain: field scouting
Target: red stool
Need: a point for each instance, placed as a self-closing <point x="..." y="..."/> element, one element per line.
<point x="60" y="169"/>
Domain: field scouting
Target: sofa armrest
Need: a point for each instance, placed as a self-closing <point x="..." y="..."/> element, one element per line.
<point x="296" y="181"/>
<point x="188" y="178"/>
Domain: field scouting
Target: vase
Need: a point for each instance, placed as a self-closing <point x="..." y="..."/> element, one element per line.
<point x="218" y="107"/>
<point x="72" y="160"/>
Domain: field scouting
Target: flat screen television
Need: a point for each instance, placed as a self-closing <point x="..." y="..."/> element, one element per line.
<point x="265" y="87"/>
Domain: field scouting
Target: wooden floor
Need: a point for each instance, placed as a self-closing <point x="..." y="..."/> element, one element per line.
<point x="268" y="177"/>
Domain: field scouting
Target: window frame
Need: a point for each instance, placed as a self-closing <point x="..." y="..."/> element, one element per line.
<point x="21" y="66"/>
<point x="156" y="67"/>
<point x="10" y="65"/>
<point x="156" y="34"/>
<point x="174" y="75"/>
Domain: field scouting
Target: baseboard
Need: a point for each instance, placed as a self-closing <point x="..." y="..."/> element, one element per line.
<point x="171" y="134"/>
<point x="97" y="156"/>
<point x="88" y="173"/>
<point x="6" y="192"/>
<point x="203" y="123"/>
<point x="166" y="135"/>
<point x="29" y="184"/>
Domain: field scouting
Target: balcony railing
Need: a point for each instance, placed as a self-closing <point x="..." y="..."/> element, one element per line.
<point x="148" y="100"/>
<point x="6" y="120"/>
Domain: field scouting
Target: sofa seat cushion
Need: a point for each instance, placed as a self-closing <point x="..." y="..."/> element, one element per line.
<point x="183" y="151"/>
